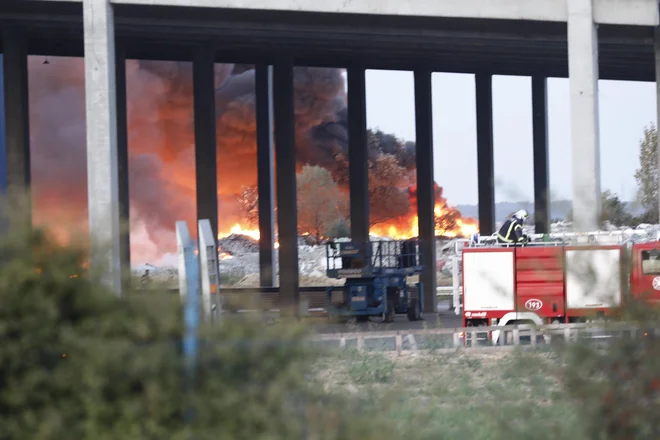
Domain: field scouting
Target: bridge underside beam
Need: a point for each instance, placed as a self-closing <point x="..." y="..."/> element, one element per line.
<point x="358" y="154"/>
<point x="205" y="136"/>
<point x="635" y="12"/>
<point x="287" y="209"/>
<point x="459" y="45"/>
<point x="541" y="165"/>
<point x="485" y="153"/>
<point x="122" y="166"/>
<point x="16" y="114"/>
<point x="425" y="188"/>
<point x="265" y="172"/>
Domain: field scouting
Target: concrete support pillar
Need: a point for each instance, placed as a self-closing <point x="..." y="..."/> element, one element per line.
<point x="657" y="93"/>
<point x="425" y="189"/>
<point x="205" y="146"/>
<point x="541" y="172"/>
<point x="583" y="81"/>
<point x="287" y="209"/>
<point x="102" y="166"/>
<point x="265" y="172"/>
<point x="485" y="162"/>
<point x="17" y="117"/>
<point x="122" y="167"/>
<point x="358" y="169"/>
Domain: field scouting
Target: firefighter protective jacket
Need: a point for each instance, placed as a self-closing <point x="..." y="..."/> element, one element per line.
<point x="511" y="231"/>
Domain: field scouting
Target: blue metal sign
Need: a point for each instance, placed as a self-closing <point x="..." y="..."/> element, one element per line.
<point x="189" y="284"/>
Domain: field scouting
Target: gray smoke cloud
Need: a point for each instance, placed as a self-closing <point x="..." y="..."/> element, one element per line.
<point x="161" y="142"/>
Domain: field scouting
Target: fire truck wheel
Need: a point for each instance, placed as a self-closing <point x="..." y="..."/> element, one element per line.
<point x="414" y="310"/>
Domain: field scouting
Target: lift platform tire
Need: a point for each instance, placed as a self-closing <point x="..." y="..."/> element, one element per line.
<point x="414" y="310"/>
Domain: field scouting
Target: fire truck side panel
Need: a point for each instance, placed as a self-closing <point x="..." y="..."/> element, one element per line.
<point x="488" y="281"/>
<point x="593" y="278"/>
<point x="540" y="281"/>
<point x="645" y="271"/>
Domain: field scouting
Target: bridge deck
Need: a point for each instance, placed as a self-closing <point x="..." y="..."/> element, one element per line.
<point x="506" y="47"/>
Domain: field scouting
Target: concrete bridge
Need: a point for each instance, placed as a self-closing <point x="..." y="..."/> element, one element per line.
<point x="584" y="40"/>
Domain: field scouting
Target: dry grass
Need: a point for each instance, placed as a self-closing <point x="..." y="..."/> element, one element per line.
<point x="499" y="395"/>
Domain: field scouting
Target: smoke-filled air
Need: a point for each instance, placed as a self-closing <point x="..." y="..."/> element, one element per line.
<point x="161" y="153"/>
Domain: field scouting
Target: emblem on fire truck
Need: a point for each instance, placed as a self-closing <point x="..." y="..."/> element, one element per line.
<point x="656" y="283"/>
<point x="533" y="304"/>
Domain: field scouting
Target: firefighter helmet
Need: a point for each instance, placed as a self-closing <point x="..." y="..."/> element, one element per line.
<point x="521" y="215"/>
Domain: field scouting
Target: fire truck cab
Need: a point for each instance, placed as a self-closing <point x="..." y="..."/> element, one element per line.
<point x="645" y="271"/>
<point x="556" y="278"/>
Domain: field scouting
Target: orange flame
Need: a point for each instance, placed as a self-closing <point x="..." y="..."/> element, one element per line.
<point x="449" y="222"/>
<point x="401" y="228"/>
<point x="409" y="227"/>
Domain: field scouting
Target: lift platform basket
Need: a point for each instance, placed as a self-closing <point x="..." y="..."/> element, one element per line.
<point x="373" y="259"/>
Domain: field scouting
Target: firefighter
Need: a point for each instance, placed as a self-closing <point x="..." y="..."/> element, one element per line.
<point x="511" y="231"/>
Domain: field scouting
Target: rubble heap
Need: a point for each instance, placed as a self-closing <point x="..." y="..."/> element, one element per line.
<point x="238" y="244"/>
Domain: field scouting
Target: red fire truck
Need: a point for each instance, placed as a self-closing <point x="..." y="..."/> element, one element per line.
<point x="557" y="278"/>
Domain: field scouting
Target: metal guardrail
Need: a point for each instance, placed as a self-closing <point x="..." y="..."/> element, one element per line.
<point x="447" y="290"/>
<point x="478" y="338"/>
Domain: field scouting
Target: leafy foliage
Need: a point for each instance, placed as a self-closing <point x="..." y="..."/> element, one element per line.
<point x="390" y="164"/>
<point x="614" y="210"/>
<point x="647" y="173"/>
<point x="320" y="202"/>
<point x="387" y="201"/>
<point x="618" y="386"/>
<point x="79" y="363"/>
<point x="323" y="208"/>
<point x="248" y="201"/>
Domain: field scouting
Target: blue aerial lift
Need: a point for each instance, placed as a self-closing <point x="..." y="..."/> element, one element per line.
<point x="376" y="279"/>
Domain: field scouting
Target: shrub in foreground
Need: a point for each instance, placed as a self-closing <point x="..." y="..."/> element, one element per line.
<point x="79" y="363"/>
<point x="617" y="384"/>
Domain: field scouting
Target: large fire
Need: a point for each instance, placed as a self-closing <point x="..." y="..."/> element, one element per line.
<point x="162" y="158"/>
<point x="448" y="220"/>
<point x="448" y="223"/>
<point x="406" y="228"/>
<point x="401" y="230"/>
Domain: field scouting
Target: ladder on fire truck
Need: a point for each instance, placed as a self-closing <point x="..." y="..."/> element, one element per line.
<point x="625" y="236"/>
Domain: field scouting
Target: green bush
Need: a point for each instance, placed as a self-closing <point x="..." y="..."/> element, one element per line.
<point x="617" y="383"/>
<point x="76" y="362"/>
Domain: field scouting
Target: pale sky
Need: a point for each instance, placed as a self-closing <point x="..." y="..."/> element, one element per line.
<point x="625" y="109"/>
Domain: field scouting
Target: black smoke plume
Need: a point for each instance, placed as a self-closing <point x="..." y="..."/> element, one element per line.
<point x="161" y="143"/>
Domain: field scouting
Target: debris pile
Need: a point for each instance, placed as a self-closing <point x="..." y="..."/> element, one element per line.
<point x="238" y="244"/>
<point x="238" y="259"/>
